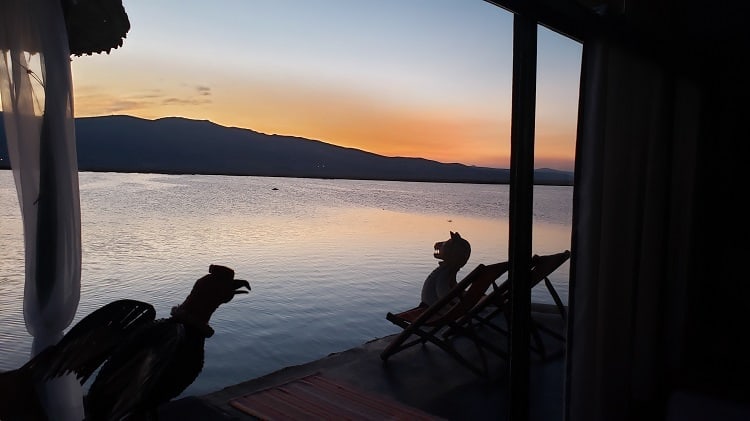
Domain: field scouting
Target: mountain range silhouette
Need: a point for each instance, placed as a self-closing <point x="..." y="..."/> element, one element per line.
<point x="175" y="145"/>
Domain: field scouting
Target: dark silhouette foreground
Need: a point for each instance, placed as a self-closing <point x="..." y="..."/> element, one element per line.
<point x="144" y="362"/>
<point x="84" y="348"/>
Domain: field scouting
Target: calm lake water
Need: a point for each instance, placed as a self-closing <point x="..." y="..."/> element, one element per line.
<point x="326" y="258"/>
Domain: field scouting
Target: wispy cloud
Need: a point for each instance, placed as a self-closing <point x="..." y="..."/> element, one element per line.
<point x="95" y="100"/>
<point x="185" y="101"/>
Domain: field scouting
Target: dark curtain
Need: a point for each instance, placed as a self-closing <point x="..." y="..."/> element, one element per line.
<point x="632" y="233"/>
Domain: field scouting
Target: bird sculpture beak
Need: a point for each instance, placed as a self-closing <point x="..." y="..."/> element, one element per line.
<point x="241" y="283"/>
<point x="220" y="284"/>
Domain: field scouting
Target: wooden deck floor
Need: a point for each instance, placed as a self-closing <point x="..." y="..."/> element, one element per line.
<point x="423" y="377"/>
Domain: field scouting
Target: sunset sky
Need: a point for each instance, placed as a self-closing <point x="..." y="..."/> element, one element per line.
<point x="418" y="78"/>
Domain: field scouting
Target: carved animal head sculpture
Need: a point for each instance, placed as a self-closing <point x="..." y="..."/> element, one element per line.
<point x="209" y="292"/>
<point x="455" y="251"/>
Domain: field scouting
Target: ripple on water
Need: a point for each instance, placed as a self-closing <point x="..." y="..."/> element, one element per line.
<point x="326" y="258"/>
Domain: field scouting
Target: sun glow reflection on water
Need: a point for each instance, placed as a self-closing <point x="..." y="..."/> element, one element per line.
<point x="326" y="258"/>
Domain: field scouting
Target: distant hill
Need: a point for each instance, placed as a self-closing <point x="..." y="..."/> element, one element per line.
<point x="182" y="146"/>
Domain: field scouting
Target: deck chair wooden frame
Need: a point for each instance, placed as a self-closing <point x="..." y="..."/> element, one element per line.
<point x="497" y="302"/>
<point x="426" y="323"/>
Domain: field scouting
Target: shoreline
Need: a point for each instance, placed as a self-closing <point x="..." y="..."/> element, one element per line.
<point x="414" y="180"/>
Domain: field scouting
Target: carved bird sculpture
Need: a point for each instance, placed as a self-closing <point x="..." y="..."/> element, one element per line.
<point x="142" y="362"/>
<point x="162" y="358"/>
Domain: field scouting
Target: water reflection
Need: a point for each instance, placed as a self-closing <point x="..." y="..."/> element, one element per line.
<point x="326" y="258"/>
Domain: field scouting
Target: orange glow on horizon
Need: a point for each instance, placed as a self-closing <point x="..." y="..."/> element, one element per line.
<point x="333" y="114"/>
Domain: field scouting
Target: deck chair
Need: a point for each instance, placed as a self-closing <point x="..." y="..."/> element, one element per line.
<point x="497" y="302"/>
<point x="426" y="323"/>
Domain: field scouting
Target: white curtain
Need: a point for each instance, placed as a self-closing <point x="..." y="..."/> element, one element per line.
<point x="36" y="90"/>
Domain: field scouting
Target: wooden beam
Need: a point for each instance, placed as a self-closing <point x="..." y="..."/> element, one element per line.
<point x="523" y="121"/>
<point x="568" y="17"/>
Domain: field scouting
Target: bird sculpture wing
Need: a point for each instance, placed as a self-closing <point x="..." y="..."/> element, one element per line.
<point x="92" y="340"/>
<point x="144" y="372"/>
<point x="81" y="351"/>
